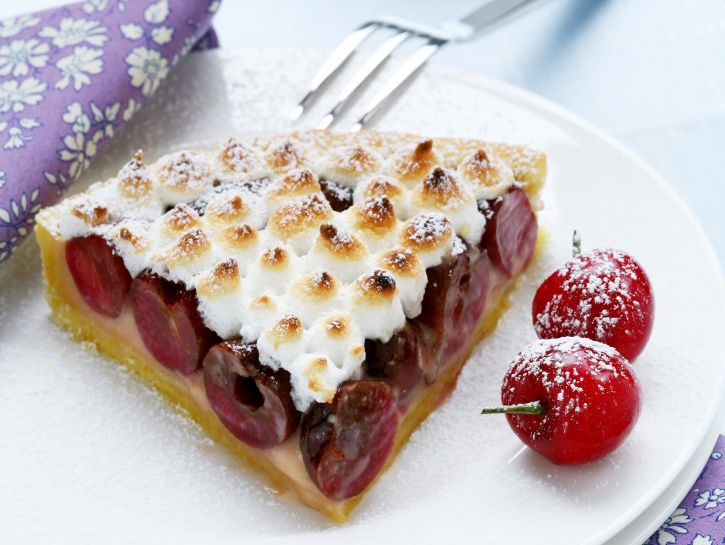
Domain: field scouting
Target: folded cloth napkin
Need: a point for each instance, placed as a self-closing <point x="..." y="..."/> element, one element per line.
<point x="69" y="78"/>
<point x="700" y="517"/>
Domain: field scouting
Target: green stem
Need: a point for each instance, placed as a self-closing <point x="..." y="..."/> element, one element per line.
<point x="534" y="407"/>
<point x="576" y="242"/>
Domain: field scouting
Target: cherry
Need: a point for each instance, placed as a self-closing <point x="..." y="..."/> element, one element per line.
<point x="511" y="228"/>
<point x="339" y="196"/>
<point x="398" y="362"/>
<point x="169" y="323"/>
<point x="603" y="295"/>
<point x="346" y="443"/>
<point x="253" y="401"/>
<point x="573" y="400"/>
<point x="98" y="273"/>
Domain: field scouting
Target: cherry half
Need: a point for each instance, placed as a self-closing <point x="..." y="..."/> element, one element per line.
<point x="98" y="273"/>
<point x="603" y="295"/>
<point x="253" y="401"/>
<point x="345" y="443"/>
<point x="169" y="323"/>
<point x="572" y="400"/>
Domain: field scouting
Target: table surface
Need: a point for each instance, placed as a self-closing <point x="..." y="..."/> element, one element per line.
<point x="649" y="72"/>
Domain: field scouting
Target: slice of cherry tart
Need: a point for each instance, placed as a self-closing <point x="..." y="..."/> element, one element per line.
<point x="306" y="298"/>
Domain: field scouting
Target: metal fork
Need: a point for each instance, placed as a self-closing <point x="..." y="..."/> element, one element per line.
<point x="485" y="16"/>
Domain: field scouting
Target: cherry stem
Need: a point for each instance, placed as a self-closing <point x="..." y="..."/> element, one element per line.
<point x="533" y="407"/>
<point x="576" y="243"/>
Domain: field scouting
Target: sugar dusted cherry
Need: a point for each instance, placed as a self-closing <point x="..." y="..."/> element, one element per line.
<point x="603" y="295"/>
<point x="573" y="400"/>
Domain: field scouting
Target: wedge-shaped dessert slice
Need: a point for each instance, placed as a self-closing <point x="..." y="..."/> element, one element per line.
<point x="308" y="298"/>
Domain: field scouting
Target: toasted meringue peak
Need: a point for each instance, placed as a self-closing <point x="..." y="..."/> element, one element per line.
<point x="131" y="240"/>
<point x="376" y="286"/>
<point x="374" y="214"/>
<point x="133" y="178"/>
<point x="401" y="261"/>
<point x="190" y="246"/>
<point x="486" y="174"/>
<point x="347" y="165"/>
<point x="285" y="155"/>
<point x="376" y="305"/>
<point x="382" y="186"/>
<point x="274" y="258"/>
<point x="430" y="235"/>
<point x="414" y="165"/>
<point x="336" y="326"/>
<point x="287" y="329"/>
<point x="236" y="161"/>
<point x="226" y="208"/>
<point x="439" y="188"/>
<point x="180" y="218"/>
<point x="316" y="287"/>
<point x="294" y="183"/>
<point x="297" y="221"/>
<point x="183" y="176"/>
<point x="90" y="212"/>
<point x="239" y="237"/>
<point x="260" y="312"/>
<point x="342" y="244"/>
<point x="223" y="278"/>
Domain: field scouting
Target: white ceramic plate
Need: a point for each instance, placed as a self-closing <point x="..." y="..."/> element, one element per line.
<point x="89" y="454"/>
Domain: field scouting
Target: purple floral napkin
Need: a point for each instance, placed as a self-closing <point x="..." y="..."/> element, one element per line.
<point x="69" y="78"/>
<point x="700" y="518"/>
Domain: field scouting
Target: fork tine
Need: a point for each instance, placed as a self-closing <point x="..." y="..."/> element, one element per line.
<point x="333" y="63"/>
<point x="379" y="56"/>
<point x="407" y="69"/>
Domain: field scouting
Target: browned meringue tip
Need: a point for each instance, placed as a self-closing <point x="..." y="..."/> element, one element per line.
<point x="139" y="241"/>
<point x="239" y="236"/>
<point x="412" y="166"/>
<point x="135" y="181"/>
<point x="377" y="286"/>
<point x="439" y="189"/>
<point x="263" y="302"/>
<point x="337" y="326"/>
<point x="374" y="214"/>
<point x="299" y="215"/>
<point x="286" y="329"/>
<point x="190" y="246"/>
<point x="381" y="187"/>
<point x="221" y="279"/>
<point x="226" y="209"/>
<point x="316" y="287"/>
<point x="91" y="213"/>
<point x="185" y="171"/>
<point x="354" y="160"/>
<point x="285" y="155"/>
<point x="294" y="183"/>
<point x="340" y="244"/>
<point x="314" y="369"/>
<point x="426" y="232"/>
<point x="401" y="261"/>
<point x="236" y="158"/>
<point x="275" y="258"/>
<point x="180" y="218"/>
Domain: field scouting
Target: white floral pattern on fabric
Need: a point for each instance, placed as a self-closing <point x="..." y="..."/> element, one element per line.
<point x="673" y="525"/>
<point x="710" y="499"/>
<point x="69" y="77"/>
<point x="15" y="25"/>
<point x="76" y="31"/>
<point x="702" y="540"/>
<point x="146" y="68"/>
<point x="16" y="95"/>
<point x="78" y="67"/>
<point x="17" y="58"/>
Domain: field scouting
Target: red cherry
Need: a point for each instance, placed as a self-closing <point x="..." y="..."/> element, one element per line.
<point x="253" y="401"/>
<point x="573" y="400"/>
<point x="99" y="274"/>
<point x="345" y="444"/>
<point x="603" y="295"/>
<point x="169" y="323"/>
<point x="511" y="228"/>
